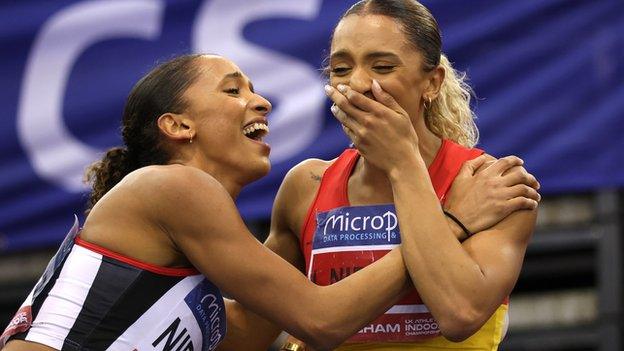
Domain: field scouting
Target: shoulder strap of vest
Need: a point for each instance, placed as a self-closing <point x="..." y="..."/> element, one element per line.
<point x="332" y="191"/>
<point x="447" y="164"/>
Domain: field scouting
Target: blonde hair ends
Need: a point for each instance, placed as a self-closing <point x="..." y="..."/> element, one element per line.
<point x="449" y="116"/>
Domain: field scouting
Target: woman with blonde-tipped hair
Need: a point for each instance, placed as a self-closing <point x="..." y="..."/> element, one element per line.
<point x="163" y="237"/>
<point x="400" y="101"/>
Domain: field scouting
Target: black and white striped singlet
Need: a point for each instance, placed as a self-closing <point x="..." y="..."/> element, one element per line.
<point x="90" y="298"/>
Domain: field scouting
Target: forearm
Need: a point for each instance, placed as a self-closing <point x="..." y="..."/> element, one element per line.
<point x="351" y="303"/>
<point x="446" y="277"/>
<point x="246" y="330"/>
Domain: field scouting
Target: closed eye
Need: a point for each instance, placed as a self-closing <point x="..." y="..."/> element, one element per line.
<point x="383" y="68"/>
<point x="340" y="71"/>
<point x="233" y="91"/>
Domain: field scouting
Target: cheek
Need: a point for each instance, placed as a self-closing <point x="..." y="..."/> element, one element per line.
<point x="334" y="81"/>
<point x="216" y="130"/>
<point x="225" y="118"/>
<point x="406" y="92"/>
<point x="399" y="91"/>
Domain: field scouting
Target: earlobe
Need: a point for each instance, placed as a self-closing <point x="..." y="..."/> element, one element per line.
<point x="435" y="82"/>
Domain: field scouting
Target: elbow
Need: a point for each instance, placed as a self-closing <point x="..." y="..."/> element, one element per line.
<point x="323" y="336"/>
<point x="455" y="334"/>
<point x="460" y="325"/>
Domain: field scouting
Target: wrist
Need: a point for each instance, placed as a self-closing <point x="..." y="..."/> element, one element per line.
<point x="408" y="168"/>
<point x="458" y="232"/>
<point x="466" y="232"/>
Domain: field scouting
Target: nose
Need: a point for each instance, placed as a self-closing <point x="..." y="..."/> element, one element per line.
<point x="360" y="81"/>
<point x="261" y="105"/>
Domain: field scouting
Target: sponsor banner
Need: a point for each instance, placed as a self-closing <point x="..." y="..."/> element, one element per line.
<point x="348" y="239"/>
<point x="206" y="303"/>
<point x="398" y="328"/>
<point x="196" y="322"/>
<point x="177" y="332"/>
<point x="68" y="65"/>
<point x="357" y="225"/>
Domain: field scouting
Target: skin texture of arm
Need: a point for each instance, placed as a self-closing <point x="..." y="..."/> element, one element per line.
<point x="204" y="224"/>
<point x="247" y="330"/>
<point x="297" y="193"/>
<point x="461" y="287"/>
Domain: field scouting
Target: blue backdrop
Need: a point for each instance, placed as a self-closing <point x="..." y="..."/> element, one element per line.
<point x="548" y="74"/>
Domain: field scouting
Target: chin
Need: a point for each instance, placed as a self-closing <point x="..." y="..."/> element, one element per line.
<point x="259" y="170"/>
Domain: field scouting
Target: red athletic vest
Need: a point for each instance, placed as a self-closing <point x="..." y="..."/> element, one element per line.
<point x="339" y="239"/>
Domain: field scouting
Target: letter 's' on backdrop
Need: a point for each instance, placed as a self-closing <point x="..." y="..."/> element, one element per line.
<point x="549" y="76"/>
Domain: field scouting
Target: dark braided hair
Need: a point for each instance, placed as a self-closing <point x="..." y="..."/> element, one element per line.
<point x="158" y="92"/>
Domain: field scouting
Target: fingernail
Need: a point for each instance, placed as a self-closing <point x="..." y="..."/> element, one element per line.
<point x="342" y="88"/>
<point x="328" y="89"/>
<point x="376" y="86"/>
<point x="334" y="109"/>
<point x="539" y="197"/>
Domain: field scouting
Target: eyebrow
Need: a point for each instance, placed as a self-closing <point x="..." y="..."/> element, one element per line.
<point x="238" y="75"/>
<point x="370" y="55"/>
<point x="233" y="75"/>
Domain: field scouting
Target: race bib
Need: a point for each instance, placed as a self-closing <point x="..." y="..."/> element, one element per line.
<point x="348" y="239"/>
<point x="197" y="322"/>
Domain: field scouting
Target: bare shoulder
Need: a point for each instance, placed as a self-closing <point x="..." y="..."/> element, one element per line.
<point x="135" y="217"/>
<point x="308" y="170"/>
<point x="183" y="190"/>
<point x="303" y="180"/>
<point x="172" y="175"/>
<point x="296" y="194"/>
<point x="489" y="160"/>
<point x="170" y="182"/>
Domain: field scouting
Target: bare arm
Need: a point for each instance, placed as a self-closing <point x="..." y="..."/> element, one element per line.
<point x="203" y="222"/>
<point x="461" y="287"/>
<point x="483" y="194"/>
<point x="247" y="330"/>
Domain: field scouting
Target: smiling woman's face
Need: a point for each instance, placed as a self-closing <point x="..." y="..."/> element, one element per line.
<point x="367" y="47"/>
<point x="230" y="119"/>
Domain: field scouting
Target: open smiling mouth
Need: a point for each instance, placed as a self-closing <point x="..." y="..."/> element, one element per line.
<point x="256" y="131"/>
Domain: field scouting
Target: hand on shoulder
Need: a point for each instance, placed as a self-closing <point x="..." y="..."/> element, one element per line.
<point x="487" y="190"/>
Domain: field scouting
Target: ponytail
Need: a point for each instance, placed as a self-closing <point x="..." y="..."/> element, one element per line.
<point x="160" y="91"/>
<point x="449" y="116"/>
<point x="104" y="174"/>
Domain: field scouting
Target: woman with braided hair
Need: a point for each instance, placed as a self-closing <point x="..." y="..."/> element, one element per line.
<point x="163" y="236"/>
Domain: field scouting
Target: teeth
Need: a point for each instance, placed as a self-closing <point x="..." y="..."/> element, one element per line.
<point x="256" y="126"/>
